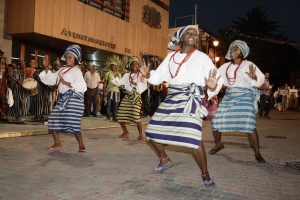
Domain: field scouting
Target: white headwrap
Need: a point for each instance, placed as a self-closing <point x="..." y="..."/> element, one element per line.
<point x="178" y="34"/>
<point x="243" y="47"/>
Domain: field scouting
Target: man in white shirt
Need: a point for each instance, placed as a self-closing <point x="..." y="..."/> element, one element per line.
<point x="92" y="79"/>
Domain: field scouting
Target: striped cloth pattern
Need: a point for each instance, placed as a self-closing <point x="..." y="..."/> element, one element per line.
<point x="66" y="115"/>
<point x="40" y="103"/>
<point x="237" y="111"/>
<point x="130" y="108"/>
<point x="178" y="119"/>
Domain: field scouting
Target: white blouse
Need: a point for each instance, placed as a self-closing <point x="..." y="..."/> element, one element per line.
<point x="194" y="70"/>
<point x="242" y="78"/>
<point x="137" y="78"/>
<point x="74" y="76"/>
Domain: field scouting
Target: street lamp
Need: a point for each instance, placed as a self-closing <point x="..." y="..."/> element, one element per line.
<point x="215" y="43"/>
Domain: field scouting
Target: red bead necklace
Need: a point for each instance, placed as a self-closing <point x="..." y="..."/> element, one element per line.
<point x="231" y="81"/>
<point x="132" y="78"/>
<point x="188" y="55"/>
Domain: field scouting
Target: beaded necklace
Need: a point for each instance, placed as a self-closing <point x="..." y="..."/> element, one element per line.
<point x="231" y="81"/>
<point x="132" y="78"/>
<point x="188" y="55"/>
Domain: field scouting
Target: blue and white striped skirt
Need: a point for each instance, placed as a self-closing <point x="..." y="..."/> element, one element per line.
<point x="66" y="115"/>
<point x="236" y="112"/>
<point x="178" y="120"/>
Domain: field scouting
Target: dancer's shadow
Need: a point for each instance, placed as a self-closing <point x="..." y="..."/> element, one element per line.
<point x="239" y="144"/>
<point x="72" y="159"/>
<point x="271" y="168"/>
<point x="132" y="141"/>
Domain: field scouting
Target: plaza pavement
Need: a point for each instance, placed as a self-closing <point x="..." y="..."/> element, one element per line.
<point x="116" y="169"/>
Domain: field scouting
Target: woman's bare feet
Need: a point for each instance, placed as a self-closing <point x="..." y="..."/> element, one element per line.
<point x="124" y="135"/>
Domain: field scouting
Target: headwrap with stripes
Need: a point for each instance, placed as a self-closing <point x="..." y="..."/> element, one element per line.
<point x="74" y="50"/>
<point x="178" y="34"/>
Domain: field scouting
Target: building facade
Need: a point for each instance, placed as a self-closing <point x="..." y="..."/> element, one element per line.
<point x="100" y="27"/>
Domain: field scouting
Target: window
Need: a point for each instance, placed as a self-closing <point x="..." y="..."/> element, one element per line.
<point x="118" y="8"/>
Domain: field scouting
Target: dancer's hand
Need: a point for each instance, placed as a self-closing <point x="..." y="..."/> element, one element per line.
<point x="212" y="80"/>
<point x="145" y="68"/>
<point x="252" y="72"/>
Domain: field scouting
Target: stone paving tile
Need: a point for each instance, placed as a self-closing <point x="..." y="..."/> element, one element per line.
<point x="122" y="170"/>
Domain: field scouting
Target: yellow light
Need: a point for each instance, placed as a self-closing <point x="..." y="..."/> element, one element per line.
<point x="216" y="43"/>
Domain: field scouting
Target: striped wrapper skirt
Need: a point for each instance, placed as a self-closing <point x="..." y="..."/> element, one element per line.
<point x="66" y="115"/>
<point x="130" y="108"/>
<point x="178" y="119"/>
<point x="236" y="112"/>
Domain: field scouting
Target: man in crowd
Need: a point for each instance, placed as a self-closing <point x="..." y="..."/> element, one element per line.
<point x="92" y="79"/>
<point x="15" y="80"/>
<point x="41" y="101"/>
<point x="112" y="92"/>
<point x="265" y="98"/>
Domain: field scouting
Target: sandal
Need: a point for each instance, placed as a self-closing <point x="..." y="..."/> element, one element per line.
<point x="213" y="151"/>
<point x="81" y="151"/>
<point x="208" y="182"/>
<point x="160" y="168"/>
<point x="54" y="148"/>
<point x="140" y="138"/>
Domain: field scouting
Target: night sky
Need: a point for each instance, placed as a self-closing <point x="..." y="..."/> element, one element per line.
<point x="215" y="14"/>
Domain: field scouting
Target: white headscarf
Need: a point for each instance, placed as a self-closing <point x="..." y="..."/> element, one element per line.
<point x="243" y="47"/>
<point x="178" y="34"/>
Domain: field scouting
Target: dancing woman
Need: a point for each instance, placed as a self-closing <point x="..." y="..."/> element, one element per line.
<point x="66" y="115"/>
<point x="178" y="119"/>
<point x="135" y="84"/>
<point x="237" y="110"/>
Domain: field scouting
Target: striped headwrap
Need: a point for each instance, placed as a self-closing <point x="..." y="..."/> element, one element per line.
<point x="243" y="47"/>
<point x="178" y="34"/>
<point x="74" y="50"/>
<point x="131" y="59"/>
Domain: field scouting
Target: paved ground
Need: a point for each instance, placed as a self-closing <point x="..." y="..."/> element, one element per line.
<point x="116" y="169"/>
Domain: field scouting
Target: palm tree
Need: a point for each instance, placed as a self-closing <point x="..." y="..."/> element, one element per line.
<point x="265" y="41"/>
<point x="257" y="24"/>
